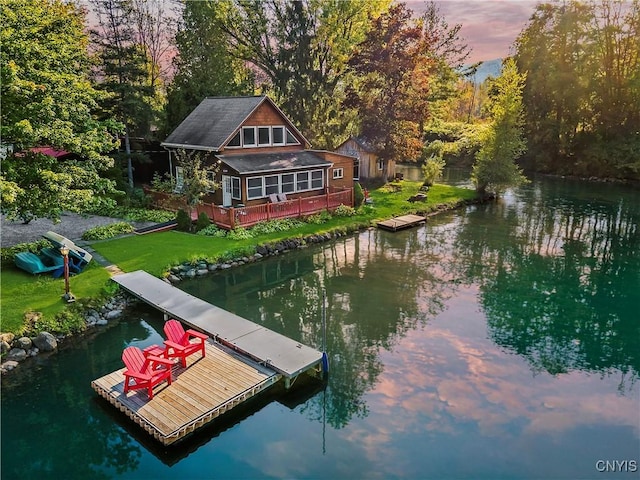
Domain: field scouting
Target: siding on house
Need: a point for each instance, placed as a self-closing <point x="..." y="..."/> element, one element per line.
<point x="368" y="165"/>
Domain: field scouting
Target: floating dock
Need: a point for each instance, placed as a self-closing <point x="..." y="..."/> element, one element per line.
<point x="243" y="359"/>
<point x="199" y="393"/>
<point x="398" y="223"/>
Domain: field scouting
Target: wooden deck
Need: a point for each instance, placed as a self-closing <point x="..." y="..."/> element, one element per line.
<point x="207" y="388"/>
<point x="282" y="354"/>
<point x="398" y="223"/>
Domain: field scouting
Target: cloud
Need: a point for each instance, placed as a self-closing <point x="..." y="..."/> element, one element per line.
<point x="488" y="26"/>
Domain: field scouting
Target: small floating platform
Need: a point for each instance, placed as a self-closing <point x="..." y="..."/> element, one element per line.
<point x="208" y="387"/>
<point x="398" y="223"/>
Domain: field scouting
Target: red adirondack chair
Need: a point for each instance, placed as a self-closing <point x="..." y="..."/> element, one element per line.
<point x="144" y="372"/>
<point x="179" y="343"/>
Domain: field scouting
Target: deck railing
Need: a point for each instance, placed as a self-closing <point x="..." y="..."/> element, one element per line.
<point x="230" y="217"/>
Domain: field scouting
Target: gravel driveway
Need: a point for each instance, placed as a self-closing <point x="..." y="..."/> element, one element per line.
<point x="71" y="226"/>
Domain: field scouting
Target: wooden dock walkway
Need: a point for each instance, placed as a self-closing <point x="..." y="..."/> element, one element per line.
<point x="286" y="356"/>
<point x="398" y="223"/>
<point x="199" y="393"/>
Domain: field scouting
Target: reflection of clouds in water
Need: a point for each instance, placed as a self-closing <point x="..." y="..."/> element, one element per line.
<point x="464" y="377"/>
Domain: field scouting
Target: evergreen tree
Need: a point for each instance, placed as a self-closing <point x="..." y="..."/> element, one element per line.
<point x="495" y="169"/>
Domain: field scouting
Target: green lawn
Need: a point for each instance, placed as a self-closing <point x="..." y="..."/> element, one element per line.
<point x="156" y="252"/>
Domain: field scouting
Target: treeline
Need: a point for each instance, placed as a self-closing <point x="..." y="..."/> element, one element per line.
<point x="582" y="91"/>
<point x="337" y="68"/>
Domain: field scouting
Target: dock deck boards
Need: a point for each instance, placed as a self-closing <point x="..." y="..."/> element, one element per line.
<point x="404" y="221"/>
<point x="207" y="388"/>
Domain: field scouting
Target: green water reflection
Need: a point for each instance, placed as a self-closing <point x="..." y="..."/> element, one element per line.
<point x="497" y="341"/>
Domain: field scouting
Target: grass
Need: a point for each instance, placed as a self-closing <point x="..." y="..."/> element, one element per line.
<point x="157" y="252"/>
<point x="23" y="292"/>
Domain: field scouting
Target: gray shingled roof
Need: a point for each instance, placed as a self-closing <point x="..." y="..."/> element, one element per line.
<point x="212" y="122"/>
<point x="267" y="162"/>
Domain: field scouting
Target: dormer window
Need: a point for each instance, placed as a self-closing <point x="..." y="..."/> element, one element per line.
<point x="249" y="136"/>
<point x="263" y="136"/>
<point x="235" y="141"/>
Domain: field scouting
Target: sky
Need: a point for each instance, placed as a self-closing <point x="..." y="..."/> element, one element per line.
<point x="489" y="27"/>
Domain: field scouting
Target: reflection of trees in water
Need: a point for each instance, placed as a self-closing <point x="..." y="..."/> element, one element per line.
<point x="88" y="444"/>
<point x="560" y="283"/>
<point x="372" y="282"/>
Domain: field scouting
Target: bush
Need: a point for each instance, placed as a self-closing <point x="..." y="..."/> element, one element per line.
<point x="318" y="218"/>
<point x="107" y="231"/>
<point x="279" y="225"/>
<point x="239" y="233"/>
<point x="432" y="170"/>
<point x="184" y="221"/>
<point x="358" y="195"/>
<point x="202" y="222"/>
<point x="8" y="254"/>
<point x="213" y="231"/>
<point x="344" y="211"/>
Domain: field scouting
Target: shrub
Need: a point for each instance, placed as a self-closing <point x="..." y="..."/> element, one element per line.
<point x="8" y="254"/>
<point x="358" y="194"/>
<point x="344" y="211"/>
<point x="239" y="233"/>
<point x="184" y="221"/>
<point x="432" y="169"/>
<point x="279" y="225"/>
<point x="202" y="222"/>
<point x="162" y="183"/>
<point x="318" y="218"/>
<point x="107" y="231"/>
<point x="213" y="231"/>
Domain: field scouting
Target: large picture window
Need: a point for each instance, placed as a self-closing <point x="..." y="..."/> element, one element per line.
<point x="262" y="136"/>
<point x="260" y="187"/>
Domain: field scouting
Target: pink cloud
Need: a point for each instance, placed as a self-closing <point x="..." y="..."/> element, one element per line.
<point x="489" y="26"/>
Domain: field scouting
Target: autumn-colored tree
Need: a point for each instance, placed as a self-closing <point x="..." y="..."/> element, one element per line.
<point x="392" y="91"/>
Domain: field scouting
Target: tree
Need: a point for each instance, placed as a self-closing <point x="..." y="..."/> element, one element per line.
<point x="302" y="48"/>
<point x="47" y="99"/>
<point x="495" y="169"/>
<point x="203" y="66"/>
<point x="392" y="90"/>
<point x="35" y="185"/>
<point x="197" y="176"/>
<point x="123" y="71"/>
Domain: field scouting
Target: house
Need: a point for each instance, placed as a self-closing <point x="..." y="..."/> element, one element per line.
<point x="368" y="166"/>
<point x="263" y="157"/>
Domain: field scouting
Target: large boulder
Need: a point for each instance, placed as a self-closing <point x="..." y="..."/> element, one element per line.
<point x="45" y="342"/>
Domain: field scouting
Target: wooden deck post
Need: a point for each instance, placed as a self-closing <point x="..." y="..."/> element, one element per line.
<point x="232" y="217"/>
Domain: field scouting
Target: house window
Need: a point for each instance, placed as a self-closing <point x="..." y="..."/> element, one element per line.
<point x="271" y="184"/>
<point x="288" y="183"/>
<point x="254" y="187"/>
<point x="302" y="181"/>
<point x="235" y="141"/>
<point x="264" y="137"/>
<point x="291" y="139"/>
<point x="338" y="173"/>
<point x="380" y="164"/>
<point x="317" y="179"/>
<point x="277" y="135"/>
<point x="356" y="169"/>
<point x="235" y="188"/>
<point x="249" y="136"/>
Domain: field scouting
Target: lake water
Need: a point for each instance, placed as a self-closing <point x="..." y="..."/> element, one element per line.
<point x="498" y="341"/>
